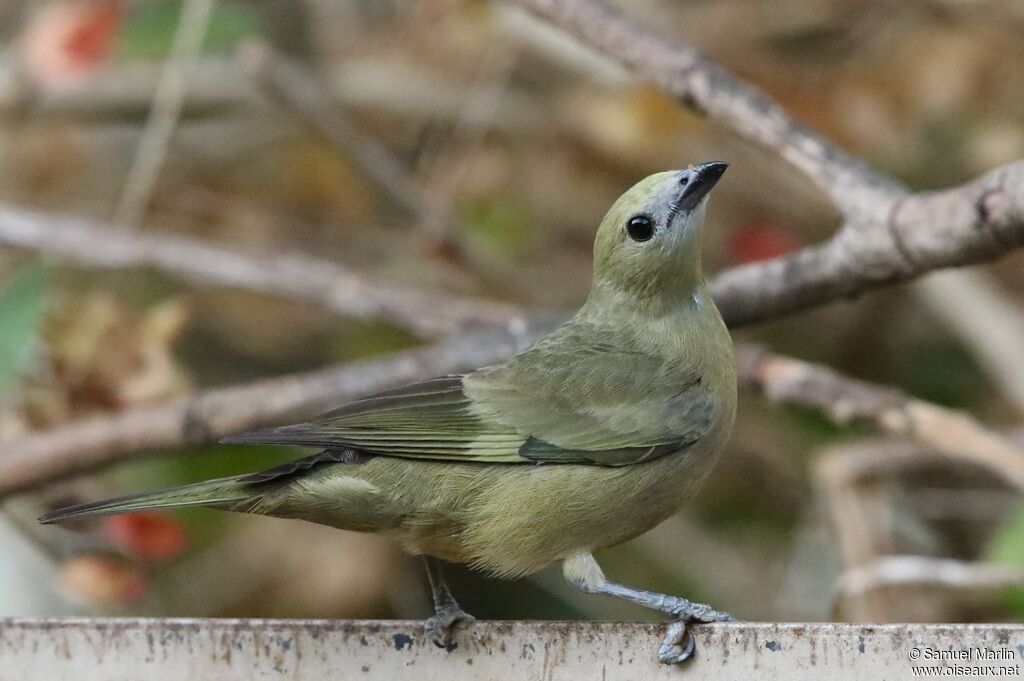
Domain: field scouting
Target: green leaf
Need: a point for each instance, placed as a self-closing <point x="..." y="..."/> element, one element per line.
<point x="149" y="31"/>
<point x="22" y="304"/>
<point x="1007" y="547"/>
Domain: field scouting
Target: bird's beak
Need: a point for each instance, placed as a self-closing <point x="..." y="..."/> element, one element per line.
<point x="697" y="181"/>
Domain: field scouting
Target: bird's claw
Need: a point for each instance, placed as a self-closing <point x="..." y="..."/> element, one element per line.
<point x="678" y="645"/>
<point x="442" y="626"/>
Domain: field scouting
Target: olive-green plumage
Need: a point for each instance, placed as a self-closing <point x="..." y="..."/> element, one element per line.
<point x="593" y="435"/>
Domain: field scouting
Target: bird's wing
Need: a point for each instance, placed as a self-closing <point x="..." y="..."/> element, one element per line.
<point x="584" y="395"/>
<point x="432" y="419"/>
<point x="558" y="402"/>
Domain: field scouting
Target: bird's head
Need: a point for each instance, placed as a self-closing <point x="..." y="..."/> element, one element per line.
<point x="648" y="245"/>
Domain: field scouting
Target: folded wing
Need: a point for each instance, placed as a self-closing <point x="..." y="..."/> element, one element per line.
<point x="554" y="403"/>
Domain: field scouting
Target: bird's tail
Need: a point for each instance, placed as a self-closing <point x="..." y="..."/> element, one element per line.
<point x="219" y="492"/>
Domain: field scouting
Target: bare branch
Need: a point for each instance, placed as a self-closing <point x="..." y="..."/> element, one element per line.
<point x="206" y="417"/>
<point x="976" y="222"/>
<point x="961" y="578"/>
<point x="967" y="224"/>
<point x="844" y="400"/>
<point x="701" y="84"/>
<point x="290" y="276"/>
<point x="219" y="86"/>
<point x="889" y="236"/>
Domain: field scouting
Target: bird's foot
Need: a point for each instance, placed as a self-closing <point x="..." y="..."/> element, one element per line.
<point x="678" y="646"/>
<point x="442" y="626"/>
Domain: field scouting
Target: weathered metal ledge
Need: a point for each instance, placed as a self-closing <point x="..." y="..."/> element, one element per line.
<point x="236" y="650"/>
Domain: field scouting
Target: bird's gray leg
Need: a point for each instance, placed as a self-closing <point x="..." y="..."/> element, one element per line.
<point x="448" y="616"/>
<point x="583" y="572"/>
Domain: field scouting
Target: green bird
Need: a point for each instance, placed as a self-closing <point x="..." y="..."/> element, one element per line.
<point x="592" y="436"/>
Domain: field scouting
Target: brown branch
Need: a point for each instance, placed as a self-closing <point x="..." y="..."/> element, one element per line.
<point x="976" y="222"/>
<point x="930" y="572"/>
<point x="700" y="84"/>
<point x="219" y="86"/>
<point x="954" y="576"/>
<point x="293" y="277"/>
<point x="889" y="235"/>
<point x="844" y="400"/>
<point x="205" y="417"/>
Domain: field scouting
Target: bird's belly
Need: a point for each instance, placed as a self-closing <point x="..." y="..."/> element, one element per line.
<point x="517" y="519"/>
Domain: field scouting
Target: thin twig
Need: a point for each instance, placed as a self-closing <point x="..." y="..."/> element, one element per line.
<point x="293" y="277"/>
<point x="946" y="431"/>
<point x="488" y="90"/>
<point x="220" y="86"/>
<point x="301" y="93"/>
<point x="290" y="85"/>
<point x="925" y="572"/>
<point x="163" y="117"/>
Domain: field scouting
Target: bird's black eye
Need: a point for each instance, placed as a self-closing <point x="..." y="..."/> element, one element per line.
<point x="684" y="180"/>
<point x="640" y="227"/>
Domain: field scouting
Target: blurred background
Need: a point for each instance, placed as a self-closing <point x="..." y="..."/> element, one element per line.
<point x="466" y="148"/>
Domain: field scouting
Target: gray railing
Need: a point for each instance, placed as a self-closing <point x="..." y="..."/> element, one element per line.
<point x="240" y="650"/>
